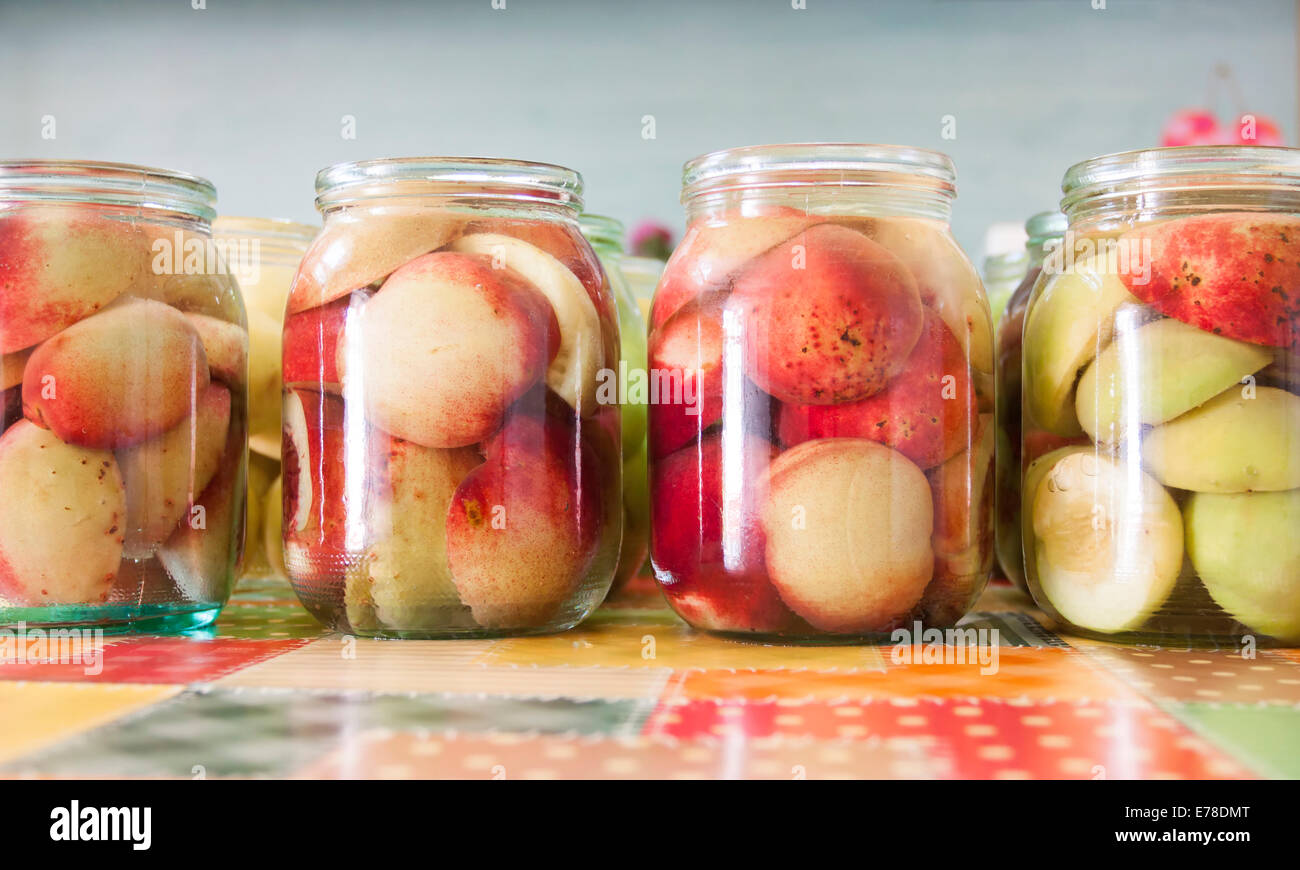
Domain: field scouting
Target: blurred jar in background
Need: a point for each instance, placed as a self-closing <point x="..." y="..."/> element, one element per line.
<point x="821" y="441"/>
<point x="1002" y="274"/>
<point x="606" y="237"/>
<point x="1161" y="400"/>
<point x="1043" y="231"/>
<point x="642" y="274"/>
<point x="452" y="464"/>
<point x="269" y="251"/>
<point x="124" y="357"/>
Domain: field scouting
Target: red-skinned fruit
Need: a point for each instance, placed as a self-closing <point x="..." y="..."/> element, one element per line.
<point x="118" y="377"/>
<point x="445" y="346"/>
<point x="352" y="253"/>
<point x="317" y="507"/>
<point x="706" y="542"/>
<point x="60" y="265"/>
<point x="962" y="488"/>
<point x="716" y="248"/>
<point x="310" y="349"/>
<point x="927" y="412"/>
<point x="830" y="316"/>
<point x="523" y="527"/>
<point x="1236" y="275"/>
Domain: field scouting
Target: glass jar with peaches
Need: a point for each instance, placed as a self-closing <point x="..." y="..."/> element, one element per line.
<point x="1161" y="400"/>
<point x="821" y="421"/>
<point x="451" y="429"/>
<point x="1043" y="231"/>
<point x="124" y="357"/>
<point x="606" y="237"/>
<point x="263" y="255"/>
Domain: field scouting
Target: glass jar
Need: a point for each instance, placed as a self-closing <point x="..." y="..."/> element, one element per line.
<point x="1160" y="411"/>
<point x="606" y="237"/>
<point x="263" y="254"/>
<point x="451" y="428"/>
<point x="1002" y="275"/>
<point x="1043" y="231"/>
<point x="821" y="421"/>
<point x="642" y="274"/>
<point x="124" y="355"/>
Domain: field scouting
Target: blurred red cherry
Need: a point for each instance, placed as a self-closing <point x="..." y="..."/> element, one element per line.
<point x="1192" y="127"/>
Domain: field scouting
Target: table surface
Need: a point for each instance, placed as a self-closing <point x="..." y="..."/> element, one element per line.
<point x="634" y="692"/>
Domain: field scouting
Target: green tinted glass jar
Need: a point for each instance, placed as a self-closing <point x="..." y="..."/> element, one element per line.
<point x="123" y="349"/>
<point x="606" y="237"/>
<point x="1043" y="231"/>
<point x="1161" y="400"/>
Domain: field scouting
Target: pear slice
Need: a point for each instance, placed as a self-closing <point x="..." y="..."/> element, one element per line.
<point x="1245" y="439"/>
<point x="1156" y="372"/>
<point x="1067" y="324"/>
<point x="1245" y="548"/>
<point x="1107" y="542"/>
<point x="572" y="374"/>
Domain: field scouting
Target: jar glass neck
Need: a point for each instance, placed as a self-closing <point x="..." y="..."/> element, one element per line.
<point x="827" y="199"/>
<point x="822" y="178"/>
<point x="1117" y="190"/>
<point x="117" y="188"/>
<point x="450" y="183"/>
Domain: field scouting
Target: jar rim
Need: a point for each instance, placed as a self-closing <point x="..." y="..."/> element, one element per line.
<point x="1180" y="167"/>
<point x="602" y="229"/>
<point x="126" y="185"/>
<point x="795" y="164"/>
<point x="1045" y="225"/>
<point x="283" y="230"/>
<point x="356" y="181"/>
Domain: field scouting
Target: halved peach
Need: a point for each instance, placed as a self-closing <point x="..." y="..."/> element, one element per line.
<point x="706" y="542"/>
<point x="444" y="348"/>
<point x="1236" y="275"/>
<point x="830" y="316"/>
<point x="848" y="524"/>
<point x="165" y="474"/>
<point x="59" y="265"/>
<point x="118" y="377"/>
<point x="354" y="252"/>
<point x="201" y="553"/>
<point x="927" y="412"/>
<point x="523" y="527"/>
<point x="60" y="519"/>
<point x="405" y="570"/>
<point x="226" y="346"/>
<point x="311" y="344"/>
<point x="715" y="248"/>
<point x="947" y="280"/>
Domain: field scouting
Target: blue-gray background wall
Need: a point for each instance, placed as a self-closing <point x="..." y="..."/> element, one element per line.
<point x="252" y="95"/>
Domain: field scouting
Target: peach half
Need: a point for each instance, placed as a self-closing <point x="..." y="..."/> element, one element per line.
<point x="60" y="519"/>
<point x="848" y="525"/>
<point x="523" y="527"/>
<point x="927" y="412"/>
<point x="201" y="553"/>
<point x="444" y="348"/>
<point x="706" y="542"/>
<point x="60" y="265"/>
<point x="406" y="575"/>
<point x="572" y="372"/>
<point x="354" y="252"/>
<point x="830" y="316"/>
<point x="165" y="474"/>
<point x="1235" y="275"/>
<point x="118" y="377"/>
<point x="715" y="249"/>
